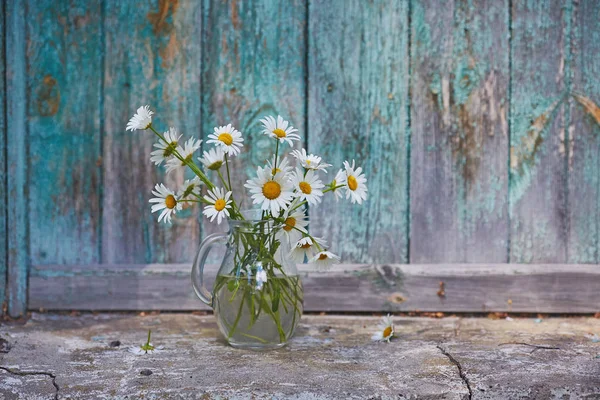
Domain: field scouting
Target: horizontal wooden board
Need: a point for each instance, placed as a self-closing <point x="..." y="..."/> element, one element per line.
<point x="549" y="288"/>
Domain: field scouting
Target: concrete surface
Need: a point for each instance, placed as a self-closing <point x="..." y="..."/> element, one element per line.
<point x="71" y="357"/>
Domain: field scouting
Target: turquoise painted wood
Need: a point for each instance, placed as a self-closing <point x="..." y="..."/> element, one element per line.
<point x="358" y="108"/>
<point x="17" y="155"/>
<point x="64" y="82"/>
<point x="3" y="174"/>
<point x="584" y="135"/>
<point x="459" y="130"/>
<point x="541" y="79"/>
<point x="476" y="121"/>
<point x="252" y="66"/>
<point x="152" y="56"/>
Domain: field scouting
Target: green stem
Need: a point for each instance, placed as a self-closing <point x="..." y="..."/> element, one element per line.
<point x="223" y="180"/>
<point x="196" y="201"/>
<point x="228" y="176"/>
<point x="189" y="163"/>
<point x="237" y="320"/>
<point x="276" y="156"/>
<point x="267" y="309"/>
<point x="255" y="338"/>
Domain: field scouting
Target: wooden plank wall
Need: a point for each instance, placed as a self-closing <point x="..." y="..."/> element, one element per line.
<point x="476" y="122"/>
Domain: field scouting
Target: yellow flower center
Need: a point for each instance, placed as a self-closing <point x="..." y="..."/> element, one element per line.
<point x="306" y="245"/>
<point x="219" y="204"/>
<point x="215" y="166"/>
<point x="280" y="133"/>
<point x="290" y="222"/>
<point x="226" y="138"/>
<point x="305" y="187"/>
<point x="387" y="331"/>
<point x="170" y="201"/>
<point x="352" y="183"/>
<point x="170" y="149"/>
<point x="323" y="256"/>
<point x="271" y="190"/>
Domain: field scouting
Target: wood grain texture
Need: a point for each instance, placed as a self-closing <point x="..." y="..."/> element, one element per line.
<point x="584" y="136"/>
<point x="17" y="154"/>
<point x="64" y="59"/>
<point x="351" y="288"/>
<point x="540" y="83"/>
<point x="3" y="165"/>
<point x="357" y="108"/>
<point x="152" y="56"/>
<point x="253" y="66"/>
<point x="459" y="131"/>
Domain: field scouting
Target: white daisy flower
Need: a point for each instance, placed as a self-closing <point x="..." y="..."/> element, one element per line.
<point x="213" y="158"/>
<point x="219" y="204"/>
<point x="340" y="179"/>
<point x="191" y="188"/>
<point x="385" y="330"/>
<point x="165" y="150"/>
<point x="283" y="165"/>
<point x="306" y="247"/>
<point x="310" y="161"/>
<point x="280" y="129"/>
<point x="228" y="138"/>
<point x="324" y="259"/>
<point x="308" y="186"/>
<point x="294" y="225"/>
<point x="356" y="183"/>
<point x="165" y="200"/>
<point x="274" y="192"/>
<point x="186" y="152"/>
<point x="261" y="277"/>
<point x="142" y="119"/>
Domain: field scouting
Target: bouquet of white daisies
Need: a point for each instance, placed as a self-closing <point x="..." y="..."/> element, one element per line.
<point x="260" y="271"/>
<point x="281" y="191"/>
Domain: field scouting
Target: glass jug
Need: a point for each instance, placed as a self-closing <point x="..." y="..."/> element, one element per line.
<point x="257" y="296"/>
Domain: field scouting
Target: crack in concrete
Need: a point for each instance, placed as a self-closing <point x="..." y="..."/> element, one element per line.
<point x="535" y="346"/>
<point x="26" y="373"/>
<point x="462" y="374"/>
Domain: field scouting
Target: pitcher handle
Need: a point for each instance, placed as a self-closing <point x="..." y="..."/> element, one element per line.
<point x="198" y="267"/>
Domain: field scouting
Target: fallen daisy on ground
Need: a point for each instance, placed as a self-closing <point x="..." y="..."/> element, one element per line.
<point x="385" y="330"/>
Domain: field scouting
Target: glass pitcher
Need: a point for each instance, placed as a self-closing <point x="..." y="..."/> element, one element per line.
<point x="257" y="296"/>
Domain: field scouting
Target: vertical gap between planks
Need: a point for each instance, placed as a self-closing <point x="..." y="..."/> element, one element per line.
<point x="4" y="183"/>
<point x="408" y="135"/>
<point x="101" y="127"/>
<point x="200" y="112"/>
<point x="568" y="51"/>
<point x="509" y="128"/>
<point x="306" y="72"/>
<point x="306" y="84"/>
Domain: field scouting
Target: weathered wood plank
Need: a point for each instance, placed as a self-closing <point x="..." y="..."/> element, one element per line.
<point x="459" y="131"/>
<point x="17" y="154"/>
<point x="540" y="82"/>
<point x="584" y="136"/>
<point x="358" y="108"/>
<point x="64" y="59"/>
<point x="253" y="66"/>
<point x="467" y="288"/>
<point x="3" y="164"/>
<point x="152" y="57"/>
